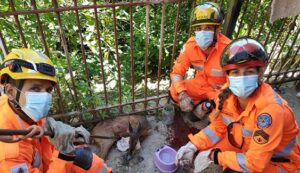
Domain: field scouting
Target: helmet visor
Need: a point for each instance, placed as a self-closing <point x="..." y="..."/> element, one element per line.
<point x="243" y="51"/>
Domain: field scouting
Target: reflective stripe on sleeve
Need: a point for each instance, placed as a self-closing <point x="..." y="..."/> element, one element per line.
<point x="227" y="120"/>
<point x="281" y="170"/>
<point x="277" y="98"/>
<point x="246" y="132"/>
<point x="286" y="150"/>
<point x="211" y="135"/>
<point x="176" y="78"/>
<point x="103" y="169"/>
<point x="241" y="158"/>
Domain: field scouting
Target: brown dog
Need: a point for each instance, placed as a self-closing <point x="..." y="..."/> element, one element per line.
<point x="134" y="126"/>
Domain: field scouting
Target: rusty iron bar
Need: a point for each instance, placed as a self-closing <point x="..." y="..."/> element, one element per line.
<point x="242" y="18"/>
<point x="264" y="20"/>
<point x="254" y="18"/>
<point x="146" y="52"/>
<point x="283" y="79"/>
<point x="276" y="59"/>
<point x="190" y="26"/>
<point x="40" y="28"/>
<point x="268" y="35"/>
<point x="3" y="44"/>
<point x="161" y="45"/>
<point x="298" y="62"/>
<point x="294" y="71"/>
<point x="277" y="38"/>
<point x="118" y="57"/>
<point x="86" y="69"/>
<point x="288" y="53"/>
<point x="100" y="56"/>
<point x="87" y="75"/>
<point x="19" y="27"/>
<point x="132" y="79"/>
<point x="76" y="113"/>
<point x="175" y="36"/>
<point x="82" y="7"/>
<point x="222" y="3"/>
<point x="66" y="52"/>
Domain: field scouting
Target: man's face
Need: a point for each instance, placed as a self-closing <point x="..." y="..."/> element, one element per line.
<point x="30" y="85"/>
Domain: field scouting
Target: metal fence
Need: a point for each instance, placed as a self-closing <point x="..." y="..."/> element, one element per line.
<point x="100" y="49"/>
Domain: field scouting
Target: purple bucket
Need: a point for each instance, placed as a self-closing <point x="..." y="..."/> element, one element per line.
<point x="164" y="159"/>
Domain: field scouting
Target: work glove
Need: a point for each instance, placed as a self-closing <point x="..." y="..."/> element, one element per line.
<point x="202" y="161"/>
<point x="185" y="154"/>
<point x="83" y="157"/>
<point x="186" y="104"/>
<point x="63" y="135"/>
<point x="82" y="136"/>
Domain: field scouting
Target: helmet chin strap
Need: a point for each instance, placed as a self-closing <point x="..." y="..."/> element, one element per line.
<point x="19" y="87"/>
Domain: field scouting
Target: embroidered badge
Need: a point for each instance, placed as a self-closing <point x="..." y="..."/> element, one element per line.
<point x="264" y="120"/>
<point x="260" y="137"/>
<point x="21" y="168"/>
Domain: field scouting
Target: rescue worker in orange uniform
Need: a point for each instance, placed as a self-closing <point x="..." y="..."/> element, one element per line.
<point x="28" y="78"/>
<point x="202" y="52"/>
<point x="253" y="129"/>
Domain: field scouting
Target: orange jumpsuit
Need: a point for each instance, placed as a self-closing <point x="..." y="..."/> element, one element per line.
<point x="33" y="155"/>
<point x="265" y="131"/>
<point x="209" y="75"/>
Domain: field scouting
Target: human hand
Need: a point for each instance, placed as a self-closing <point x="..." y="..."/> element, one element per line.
<point x="63" y="135"/>
<point x="202" y="161"/>
<point x="185" y="154"/>
<point x="82" y="136"/>
<point x="34" y="132"/>
<point x="186" y="104"/>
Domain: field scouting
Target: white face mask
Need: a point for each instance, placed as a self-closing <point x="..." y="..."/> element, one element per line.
<point x="243" y="86"/>
<point x="37" y="105"/>
<point x="204" y="38"/>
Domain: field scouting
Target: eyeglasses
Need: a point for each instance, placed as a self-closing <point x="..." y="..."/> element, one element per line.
<point x="235" y="136"/>
<point x="15" y="66"/>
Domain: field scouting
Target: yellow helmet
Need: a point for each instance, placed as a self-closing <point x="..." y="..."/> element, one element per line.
<point x="207" y="13"/>
<point x="27" y="64"/>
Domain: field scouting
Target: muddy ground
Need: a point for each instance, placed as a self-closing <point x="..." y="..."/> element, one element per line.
<point x="174" y="135"/>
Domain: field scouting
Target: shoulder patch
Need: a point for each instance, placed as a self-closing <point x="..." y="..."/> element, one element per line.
<point x="260" y="137"/>
<point x="20" y="168"/>
<point x="264" y="120"/>
<point x="182" y="49"/>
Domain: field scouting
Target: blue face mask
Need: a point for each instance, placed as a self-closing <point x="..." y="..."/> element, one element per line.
<point x="243" y="86"/>
<point x="37" y="105"/>
<point x="204" y="38"/>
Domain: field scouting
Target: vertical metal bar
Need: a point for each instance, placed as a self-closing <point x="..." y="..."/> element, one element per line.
<point x="146" y="51"/>
<point x="264" y="20"/>
<point x="289" y="52"/>
<point x="175" y="35"/>
<point x="161" y="46"/>
<point x="40" y="28"/>
<point x="132" y="80"/>
<point x="190" y="26"/>
<point x="118" y="58"/>
<point x="295" y="67"/>
<point x="242" y="18"/>
<point x="66" y="52"/>
<point x="298" y="63"/>
<point x="100" y="53"/>
<point x="254" y="18"/>
<point x="19" y="27"/>
<point x="269" y="33"/>
<point x="3" y="45"/>
<point x="277" y="38"/>
<point x="222" y="3"/>
<point x="276" y="60"/>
